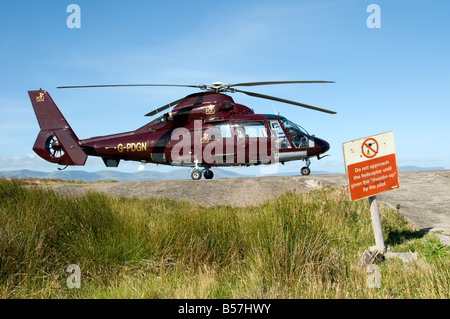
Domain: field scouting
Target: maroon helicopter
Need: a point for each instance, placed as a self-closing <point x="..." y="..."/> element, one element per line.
<point x="203" y="130"/>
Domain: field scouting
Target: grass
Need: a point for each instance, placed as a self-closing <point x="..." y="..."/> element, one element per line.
<point x="294" y="246"/>
<point x="56" y="181"/>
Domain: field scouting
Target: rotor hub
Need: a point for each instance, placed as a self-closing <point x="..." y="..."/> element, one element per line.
<point x="217" y="87"/>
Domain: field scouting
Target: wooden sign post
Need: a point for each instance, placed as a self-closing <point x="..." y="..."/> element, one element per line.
<point x="371" y="168"/>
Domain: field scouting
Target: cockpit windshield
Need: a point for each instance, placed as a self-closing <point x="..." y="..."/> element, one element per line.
<point x="294" y="133"/>
<point x="292" y="128"/>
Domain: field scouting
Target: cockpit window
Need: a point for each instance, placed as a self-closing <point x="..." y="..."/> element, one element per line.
<point x="277" y="131"/>
<point x="300" y="141"/>
<point x="275" y="128"/>
<point x="292" y="128"/>
<point x="294" y="133"/>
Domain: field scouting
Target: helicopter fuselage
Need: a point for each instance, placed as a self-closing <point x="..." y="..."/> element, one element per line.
<point x="210" y="130"/>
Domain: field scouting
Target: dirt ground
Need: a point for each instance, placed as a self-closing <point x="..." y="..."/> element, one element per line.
<point x="423" y="196"/>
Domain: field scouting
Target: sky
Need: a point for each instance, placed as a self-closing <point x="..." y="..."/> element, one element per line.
<point x="391" y="78"/>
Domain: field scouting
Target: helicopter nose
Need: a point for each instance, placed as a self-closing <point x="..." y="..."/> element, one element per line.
<point x="322" y="145"/>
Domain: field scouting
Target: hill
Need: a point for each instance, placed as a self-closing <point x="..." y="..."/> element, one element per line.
<point x="140" y="176"/>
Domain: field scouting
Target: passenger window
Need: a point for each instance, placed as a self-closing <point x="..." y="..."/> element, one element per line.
<point x="221" y="130"/>
<point x="251" y="129"/>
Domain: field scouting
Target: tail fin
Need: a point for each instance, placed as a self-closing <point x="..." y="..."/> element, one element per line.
<point x="56" y="142"/>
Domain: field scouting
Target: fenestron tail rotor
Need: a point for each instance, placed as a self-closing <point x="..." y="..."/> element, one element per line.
<point x="217" y="87"/>
<point x="53" y="147"/>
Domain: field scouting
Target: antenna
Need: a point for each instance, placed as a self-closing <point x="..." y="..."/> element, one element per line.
<point x="273" y="106"/>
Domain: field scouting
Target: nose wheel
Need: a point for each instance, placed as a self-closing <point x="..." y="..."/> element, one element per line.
<point x="305" y="170"/>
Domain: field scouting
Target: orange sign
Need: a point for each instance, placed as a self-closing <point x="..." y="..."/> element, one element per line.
<point x="371" y="177"/>
<point x="371" y="165"/>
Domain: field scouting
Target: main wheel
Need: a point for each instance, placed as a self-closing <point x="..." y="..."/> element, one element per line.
<point x="196" y="174"/>
<point x="305" y="170"/>
<point x="208" y="174"/>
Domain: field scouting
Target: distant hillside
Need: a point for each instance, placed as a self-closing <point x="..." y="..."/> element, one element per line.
<point x="418" y="168"/>
<point x="176" y="174"/>
<point x="112" y="175"/>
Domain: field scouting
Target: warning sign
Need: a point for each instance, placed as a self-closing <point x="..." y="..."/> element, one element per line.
<point x="371" y="165"/>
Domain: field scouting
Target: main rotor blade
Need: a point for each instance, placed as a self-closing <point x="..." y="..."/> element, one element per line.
<point x="276" y="82"/>
<point x="162" y="108"/>
<point x="119" y="85"/>
<point x="286" y="101"/>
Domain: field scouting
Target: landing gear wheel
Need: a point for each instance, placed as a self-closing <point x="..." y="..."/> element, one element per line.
<point x="305" y="171"/>
<point x="196" y="174"/>
<point x="208" y="174"/>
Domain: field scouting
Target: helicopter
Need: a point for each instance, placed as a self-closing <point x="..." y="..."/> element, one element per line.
<point x="203" y="130"/>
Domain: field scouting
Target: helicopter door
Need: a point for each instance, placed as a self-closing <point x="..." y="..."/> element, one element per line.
<point x="219" y="149"/>
<point x="277" y="131"/>
<point x="252" y="142"/>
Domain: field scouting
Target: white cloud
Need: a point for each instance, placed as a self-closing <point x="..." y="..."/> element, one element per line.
<point x="29" y="161"/>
